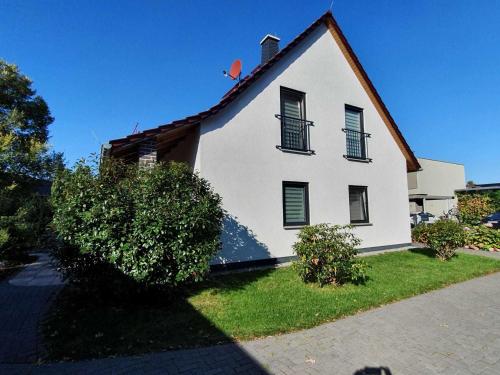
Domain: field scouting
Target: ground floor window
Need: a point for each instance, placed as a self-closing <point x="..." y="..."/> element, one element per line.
<point x="295" y="203"/>
<point x="358" y="204"/>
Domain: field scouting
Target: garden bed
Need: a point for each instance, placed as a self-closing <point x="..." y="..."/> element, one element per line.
<point x="241" y="306"/>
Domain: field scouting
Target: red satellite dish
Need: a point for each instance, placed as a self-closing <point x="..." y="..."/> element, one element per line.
<point x="235" y="70"/>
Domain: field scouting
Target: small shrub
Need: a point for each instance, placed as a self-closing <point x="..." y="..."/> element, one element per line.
<point x="482" y="237"/>
<point x="158" y="227"/>
<point x="474" y="207"/>
<point x="327" y="255"/>
<point x="444" y="237"/>
<point x="420" y="233"/>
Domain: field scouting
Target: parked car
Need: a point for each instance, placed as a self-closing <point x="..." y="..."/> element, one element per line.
<point x="422" y="217"/>
<point x="492" y="220"/>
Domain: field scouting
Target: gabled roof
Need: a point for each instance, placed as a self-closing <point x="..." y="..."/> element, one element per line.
<point x="326" y="19"/>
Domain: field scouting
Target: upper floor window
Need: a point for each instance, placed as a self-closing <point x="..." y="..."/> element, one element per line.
<point x="356" y="145"/>
<point x="294" y="126"/>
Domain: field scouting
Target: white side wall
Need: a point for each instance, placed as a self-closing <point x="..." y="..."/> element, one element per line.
<point x="237" y="154"/>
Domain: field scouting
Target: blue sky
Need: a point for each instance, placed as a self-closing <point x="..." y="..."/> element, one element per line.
<point x="103" y="66"/>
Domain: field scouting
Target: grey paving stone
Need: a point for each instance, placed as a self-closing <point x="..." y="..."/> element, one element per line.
<point x="23" y="300"/>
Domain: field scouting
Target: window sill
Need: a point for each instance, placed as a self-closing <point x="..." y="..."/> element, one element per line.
<point x="292" y="151"/>
<point x="294" y="226"/>
<point x="361" y="224"/>
<point x="358" y="159"/>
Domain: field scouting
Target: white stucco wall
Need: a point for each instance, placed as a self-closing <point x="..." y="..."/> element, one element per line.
<point x="237" y="154"/>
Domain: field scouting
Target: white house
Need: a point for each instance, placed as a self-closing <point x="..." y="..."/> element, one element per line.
<point x="432" y="189"/>
<point x="304" y="139"/>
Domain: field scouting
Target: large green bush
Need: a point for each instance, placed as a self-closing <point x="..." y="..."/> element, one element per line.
<point x="420" y="233"/>
<point x="327" y="255"/>
<point x="481" y="237"/>
<point x="444" y="237"/>
<point x="157" y="226"/>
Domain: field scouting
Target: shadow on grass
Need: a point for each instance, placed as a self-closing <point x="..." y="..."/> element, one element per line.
<point x="428" y="252"/>
<point x="231" y="281"/>
<point x="424" y="251"/>
<point x="93" y="322"/>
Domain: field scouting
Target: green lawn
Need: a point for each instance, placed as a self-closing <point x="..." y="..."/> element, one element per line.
<point x="243" y="306"/>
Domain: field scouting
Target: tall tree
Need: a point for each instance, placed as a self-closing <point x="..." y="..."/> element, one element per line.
<point x="24" y="121"/>
<point x="25" y="158"/>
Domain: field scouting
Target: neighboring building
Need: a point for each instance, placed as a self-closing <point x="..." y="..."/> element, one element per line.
<point x="432" y="189"/>
<point x="480" y="188"/>
<point x="288" y="146"/>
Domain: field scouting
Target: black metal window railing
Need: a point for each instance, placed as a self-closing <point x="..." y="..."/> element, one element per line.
<point x="295" y="134"/>
<point x="356" y="145"/>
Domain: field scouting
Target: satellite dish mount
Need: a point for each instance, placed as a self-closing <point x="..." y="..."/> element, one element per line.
<point x="234" y="71"/>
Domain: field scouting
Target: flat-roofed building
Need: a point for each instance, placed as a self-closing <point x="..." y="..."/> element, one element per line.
<point x="432" y="189"/>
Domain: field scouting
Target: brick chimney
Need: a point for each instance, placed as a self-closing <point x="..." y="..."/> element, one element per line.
<point x="147" y="153"/>
<point x="270" y="47"/>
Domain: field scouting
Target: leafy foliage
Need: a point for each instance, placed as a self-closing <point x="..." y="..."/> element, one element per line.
<point x="4" y="238"/>
<point x="326" y="255"/>
<point x="157" y="226"/>
<point x="24" y="161"/>
<point x="482" y="237"/>
<point x="444" y="237"/>
<point x="495" y="199"/>
<point x="420" y="233"/>
<point x="24" y="121"/>
<point x="494" y="195"/>
<point x="26" y="228"/>
<point x="474" y="207"/>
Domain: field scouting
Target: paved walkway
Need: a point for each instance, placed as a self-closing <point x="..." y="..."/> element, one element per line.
<point x="487" y="254"/>
<point x="23" y="300"/>
<point x="455" y="330"/>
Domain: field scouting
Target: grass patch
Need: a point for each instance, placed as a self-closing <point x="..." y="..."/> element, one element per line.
<point x="242" y="306"/>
